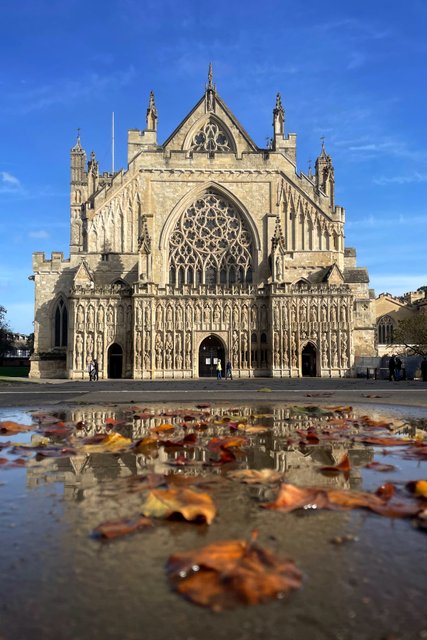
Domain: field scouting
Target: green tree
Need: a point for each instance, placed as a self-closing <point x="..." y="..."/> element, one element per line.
<point x="412" y="333"/>
<point x="30" y="342"/>
<point x="5" y="335"/>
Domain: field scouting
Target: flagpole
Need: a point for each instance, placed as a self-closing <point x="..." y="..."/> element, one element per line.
<point x="112" y="143"/>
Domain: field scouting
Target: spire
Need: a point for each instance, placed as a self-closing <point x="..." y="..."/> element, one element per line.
<point x="325" y="173"/>
<point x="151" y="117"/>
<point x="77" y="146"/>
<point x="78" y="161"/>
<point x="278" y="119"/>
<point x="210" y="91"/>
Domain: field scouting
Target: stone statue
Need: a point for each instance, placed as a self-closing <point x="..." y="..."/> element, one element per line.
<point x="79" y="351"/>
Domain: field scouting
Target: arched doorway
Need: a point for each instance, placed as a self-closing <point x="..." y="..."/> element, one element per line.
<point x="115" y="361"/>
<point x="210" y="351"/>
<point x="308" y="360"/>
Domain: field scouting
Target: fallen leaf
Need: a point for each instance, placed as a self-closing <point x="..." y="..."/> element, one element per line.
<point x="192" y="505"/>
<point x="264" y="390"/>
<point x="118" y="528"/>
<point x="162" y="428"/>
<point x="252" y="429"/>
<point x="380" y="466"/>
<point x="106" y="442"/>
<point x="418" y="487"/>
<point x="383" y="441"/>
<point x="253" y="476"/>
<point x="230" y="442"/>
<point x="342" y="467"/>
<point x="229" y="573"/>
<point x="9" y="427"/>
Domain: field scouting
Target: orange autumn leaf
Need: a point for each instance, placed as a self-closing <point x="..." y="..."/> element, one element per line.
<point x="141" y="446"/>
<point x="254" y="476"/>
<point x="343" y="466"/>
<point x="108" y="442"/>
<point x="191" y="505"/>
<point x="419" y="487"/>
<point x="162" y="428"/>
<point x="251" y="429"/>
<point x="231" y="573"/>
<point x="117" y="528"/>
<point x="383" y="441"/>
<point x="9" y="427"/>
<point x="230" y="442"/>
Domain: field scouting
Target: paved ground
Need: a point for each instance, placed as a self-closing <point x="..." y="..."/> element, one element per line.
<point x="25" y="393"/>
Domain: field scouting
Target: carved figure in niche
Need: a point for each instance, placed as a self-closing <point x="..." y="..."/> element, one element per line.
<point x="294" y="351"/>
<point x="325" y="354"/>
<point x="334" y="350"/>
<point x="235" y="345"/>
<point x="90" y="315"/>
<point x="100" y="315"/>
<point x="334" y="313"/>
<point x="313" y="313"/>
<point x="254" y="316"/>
<point x="110" y="315"/>
<point x="159" y="350"/>
<point x="80" y="314"/>
<point x="303" y="313"/>
<point x="285" y="358"/>
<point x="146" y="360"/>
<point x="79" y="352"/>
<point x="120" y="315"/>
<point x="227" y="313"/>
<point x="138" y="342"/>
<point x="138" y="314"/>
<point x="285" y="314"/>
<point x="344" y="357"/>
<point x="169" y="343"/>
<point x="263" y="317"/>
<point x="179" y="314"/>
<point x="99" y="350"/>
<point x="198" y="314"/>
<point x="168" y="360"/>
<point x="324" y="313"/>
<point x="343" y="313"/>
<point x="169" y="316"/>
<point x="188" y="351"/>
<point x="179" y="361"/>
<point x="276" y="354"/>
<point x="294" y="313"/>
<point x="159" y="316"/>
<point x="279" y="273"/>
<point x="89" y="345"/>
<point x="147" y="316"/>
<point x="276" y="315"/>
<point x="207" y="314"/>
<point x="178" y="342"/>
<point x="217" y="314"/>
<point x="244" y="316"/>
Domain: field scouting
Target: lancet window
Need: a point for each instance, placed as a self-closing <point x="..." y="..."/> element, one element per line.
<point x="385" y="328"/>
<point x="61" y="324"/>
<point x="211" y="138"/>
<point x="210" y="244"/>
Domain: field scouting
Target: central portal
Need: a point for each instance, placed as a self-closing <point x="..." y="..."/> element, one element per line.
<point x="308" y="360"/>
<point x="211" y="350"/>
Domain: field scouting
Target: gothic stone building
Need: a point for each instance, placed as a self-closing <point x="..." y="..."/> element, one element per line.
<point x="206" y="247"/>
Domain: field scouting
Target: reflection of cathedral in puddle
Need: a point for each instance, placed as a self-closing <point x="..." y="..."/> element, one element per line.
<point x="277" y="448"/>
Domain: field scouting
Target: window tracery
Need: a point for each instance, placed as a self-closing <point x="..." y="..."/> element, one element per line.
<point x="385" y="329"/>
<point x="60" y="324"/>
<point x="210" y="245"/>
<point x="211" y="138"/>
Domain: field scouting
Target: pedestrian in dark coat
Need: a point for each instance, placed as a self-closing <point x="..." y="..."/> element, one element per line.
<point x="424" y="370"/>
<point x="391" y="368"/>
<point x="398" y="369"/>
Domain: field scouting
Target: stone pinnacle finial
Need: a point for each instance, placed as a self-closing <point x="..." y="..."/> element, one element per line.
<point x="77" y="146"/>
<point x="151" y="103"/>
<point x="210" y="77"/>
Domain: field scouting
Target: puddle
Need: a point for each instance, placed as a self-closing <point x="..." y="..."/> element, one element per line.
<point x="363" y="574"/>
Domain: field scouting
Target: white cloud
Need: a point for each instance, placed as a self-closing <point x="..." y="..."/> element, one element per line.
<point x="403" y="179"/>
<point x="40" y="233"/>
<point x="9" y="183"/>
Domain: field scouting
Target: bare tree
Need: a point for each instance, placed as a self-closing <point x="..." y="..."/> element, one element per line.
<point x="5" y="334"/>
<point x="412" y="333"/>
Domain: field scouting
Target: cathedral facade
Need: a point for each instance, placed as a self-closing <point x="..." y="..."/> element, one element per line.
<point x="206" y="248"/>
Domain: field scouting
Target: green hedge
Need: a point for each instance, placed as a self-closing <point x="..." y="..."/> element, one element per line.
<point x="15" y="372"/>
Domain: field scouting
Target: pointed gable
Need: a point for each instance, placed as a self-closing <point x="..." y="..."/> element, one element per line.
<point x="333" y="275"/>
<point x="83" y="276"/>
<point x="210" y="127"/>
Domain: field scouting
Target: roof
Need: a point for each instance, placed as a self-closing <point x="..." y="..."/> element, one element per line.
<point x="358" y="274"/>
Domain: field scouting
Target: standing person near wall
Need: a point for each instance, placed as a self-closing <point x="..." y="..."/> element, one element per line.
<point x="398" y="368"/>
<point x="219" y="370"/>
<point x="228" y="370"/>
<point x="391" y="368"/>
<point x="424" y="369"/>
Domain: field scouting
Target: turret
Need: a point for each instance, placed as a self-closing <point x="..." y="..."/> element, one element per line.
<point x="151" y="117"/>
<point x="92" y="174"/>
<point x="325" y="175"/>
<point x="278" y="118"/>
<point x="78" y="193"/>
<point x="279" y="142"/>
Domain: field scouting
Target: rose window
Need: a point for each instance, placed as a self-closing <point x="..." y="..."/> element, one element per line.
<point x="211" y="244"/>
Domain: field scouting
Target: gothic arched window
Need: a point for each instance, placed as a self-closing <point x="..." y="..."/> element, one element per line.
<point x="213" y="241"/>
<point x="211" y="138"/>
<point x="385" y="329"/>
<point x="61" y="324"/>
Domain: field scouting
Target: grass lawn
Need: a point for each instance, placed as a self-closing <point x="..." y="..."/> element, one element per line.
<point x="15" y="372"/>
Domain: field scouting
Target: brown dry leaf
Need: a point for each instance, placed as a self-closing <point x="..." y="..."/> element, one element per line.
<point x="343" y="466"/>
<point x="340" y="409"/>
<point x="253" y="476"/>
<point x="162" y="428"/>
<point x="117" y="528"/>
<point x="230" y="442"/>
<point x="251" y="429"/>
<point x="192" y="505"/>
<point x="384" y="441"/>
<point x="10" y="428"/>
<point x="144" y="444"/>
<point x="229" y="573"/>
<point x="109" y="442"/>
<point x="380" y="466"/>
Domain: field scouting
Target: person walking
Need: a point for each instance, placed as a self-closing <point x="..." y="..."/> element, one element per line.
<point x="218" y="370"/>
<point x="424" y="370"/>
<point x="398" y="368"/>
<point x="391" y="368"/>
<point x="95" y="373"/>
<point x="90" y="369"/>
<point x="228" y="371"/>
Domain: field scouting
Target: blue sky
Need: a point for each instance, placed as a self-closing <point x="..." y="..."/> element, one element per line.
<point x="352" y="72"/>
